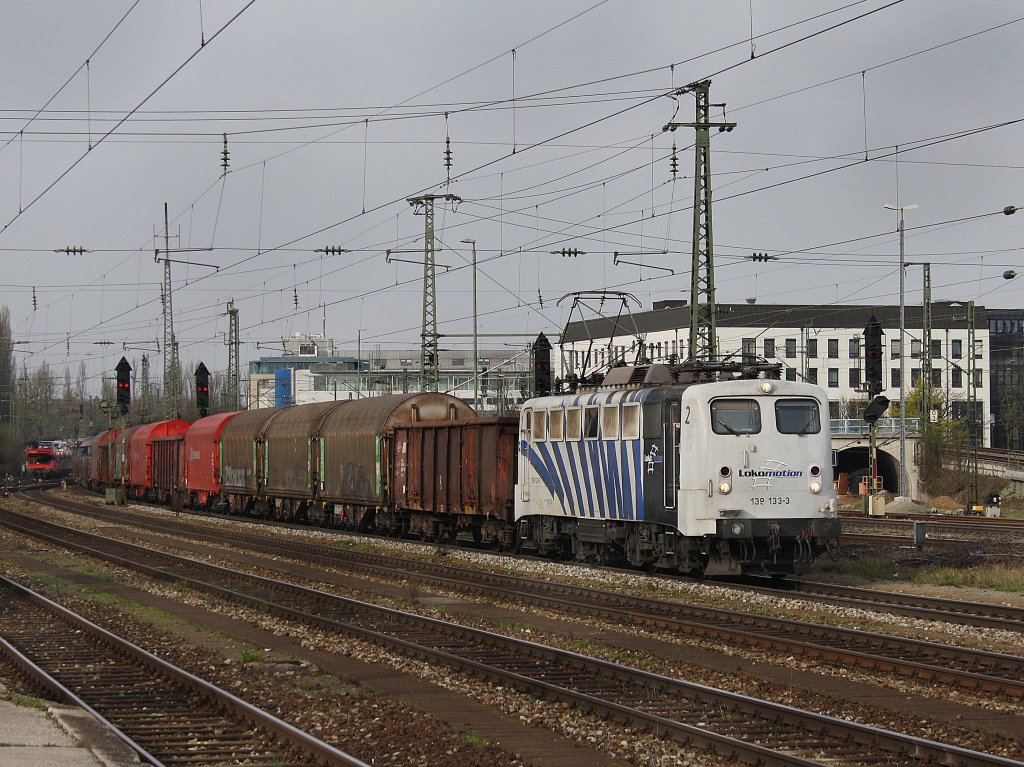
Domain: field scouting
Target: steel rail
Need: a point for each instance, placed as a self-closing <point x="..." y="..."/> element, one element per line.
<point x="241" y="710"/>
<point x="971" y="669"/>
<point x="981" y="614"/>
<point x="562" y="673"/>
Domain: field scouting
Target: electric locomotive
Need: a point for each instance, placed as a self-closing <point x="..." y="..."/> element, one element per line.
<point x="48" y="459"/>
<point x="707" y="468"/>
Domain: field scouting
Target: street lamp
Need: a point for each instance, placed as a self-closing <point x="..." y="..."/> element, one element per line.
<point x="903" y="357"/>
<point x="476" y="354"/>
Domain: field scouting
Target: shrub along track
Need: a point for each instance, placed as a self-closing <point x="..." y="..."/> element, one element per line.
<point x="743" y="728"/>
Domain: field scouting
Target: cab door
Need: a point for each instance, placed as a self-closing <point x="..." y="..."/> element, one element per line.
<point x="525" y="425"/>
<point x="670" y="429"/>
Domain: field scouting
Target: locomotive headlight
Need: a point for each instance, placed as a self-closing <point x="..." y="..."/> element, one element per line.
<point x="815" y="472"/>
<point x="724" y="488"/>
<point x="737" y="528"/>
<point x="767" y="387"/>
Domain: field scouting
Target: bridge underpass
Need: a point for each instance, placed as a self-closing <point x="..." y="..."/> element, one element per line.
<point x="850" y="440"/>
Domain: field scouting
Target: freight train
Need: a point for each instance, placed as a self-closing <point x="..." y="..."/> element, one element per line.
<point x="702" y="468"/>
<point x="48" y="459"/>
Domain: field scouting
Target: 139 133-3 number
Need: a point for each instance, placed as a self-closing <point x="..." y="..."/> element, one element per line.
<point x="770" y="500"/>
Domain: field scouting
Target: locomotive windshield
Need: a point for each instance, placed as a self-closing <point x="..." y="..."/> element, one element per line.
<point x="797" y="416"/>
<point x="735" y="416"/>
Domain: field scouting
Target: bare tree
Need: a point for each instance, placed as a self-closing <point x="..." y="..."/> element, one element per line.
<point x="9" y="455"/>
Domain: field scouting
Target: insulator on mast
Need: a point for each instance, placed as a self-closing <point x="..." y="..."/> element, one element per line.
<point x="224" y="155"/>
<point x="447" y="151"/>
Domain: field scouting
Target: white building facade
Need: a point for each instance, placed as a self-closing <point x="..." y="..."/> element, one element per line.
<point x="821" y="344"/>
<point x="312" y="369"/>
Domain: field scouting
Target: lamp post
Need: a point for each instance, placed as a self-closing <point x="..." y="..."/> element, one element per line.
<point x="476" y="354"/>
<point x="903" y="355"/>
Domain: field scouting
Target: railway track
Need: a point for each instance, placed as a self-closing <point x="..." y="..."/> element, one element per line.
<point x="980" y="614"/>
<point x="742" y="728"/>
<point x="925" y="661"/>
<point x="165" y="714"/>
<point x="904" y="523"/>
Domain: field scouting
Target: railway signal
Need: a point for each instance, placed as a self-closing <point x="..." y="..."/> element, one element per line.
<point x="873" y="356"/>
<point x="203" y="390"/>
<point x="541" y="366"/>
<point x="124" y="385"/>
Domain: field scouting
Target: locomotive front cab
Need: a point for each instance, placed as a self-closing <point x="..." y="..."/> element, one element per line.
<point x="756" y="474"/>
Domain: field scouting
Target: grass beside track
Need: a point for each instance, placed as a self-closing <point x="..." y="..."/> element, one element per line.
<point x="882" y="568"/>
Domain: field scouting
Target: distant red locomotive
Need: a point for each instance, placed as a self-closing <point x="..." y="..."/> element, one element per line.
<point x="49" y="459"/>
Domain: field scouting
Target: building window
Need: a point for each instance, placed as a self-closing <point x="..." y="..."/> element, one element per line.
<point x="855" y="348"/>
<point x="936" y="350"/>
<point x="749" y="350"/>
<point x="790" y="348"/>
<point x="956" y="377"/>
<point x="894" y="378"/>
<point x="769" y="348"/>
<point x="915" y="349"/>
<point x="956" y="348"/>
<point x="833" y="378"/>
<point x="458" y="362"/>
<point x="812" y="348"/>
<point x="895" y="349"/>
<point x="977" y="379"/>
<point x="915" y="377"/>
<point x="833" y="348"/>
<point x="812" y="375"/>
<point x="936" y="377"/>
<point x="854" y="378"/>
<point x="790" y="374"/>
<point x="977" y="349"/>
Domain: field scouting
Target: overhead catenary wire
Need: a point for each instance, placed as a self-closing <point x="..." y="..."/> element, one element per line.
<point x="651" y="209"/>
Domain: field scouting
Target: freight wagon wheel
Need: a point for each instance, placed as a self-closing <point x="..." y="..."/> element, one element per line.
<point x="442" y="533"/>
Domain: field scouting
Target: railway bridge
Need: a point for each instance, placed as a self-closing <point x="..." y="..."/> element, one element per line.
<point x="850" y="440"/>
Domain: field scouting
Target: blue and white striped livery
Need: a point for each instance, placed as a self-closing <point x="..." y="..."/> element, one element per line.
<point x="704" y="468"/>
<point x="596" y="470"/>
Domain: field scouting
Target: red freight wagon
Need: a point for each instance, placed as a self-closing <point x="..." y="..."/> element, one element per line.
<point x="202" y="458"/>
<point x="102" y="463"/>
<point x="462" y="473"/>
<point x="119" y="473"/>
<point x="139" y="476"/>
<point x="81" y="460"/>
<point x="168" y="458"/>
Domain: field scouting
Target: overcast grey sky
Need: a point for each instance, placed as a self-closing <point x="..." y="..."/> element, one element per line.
<point x="335" y="114"/>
